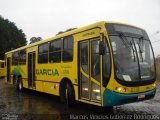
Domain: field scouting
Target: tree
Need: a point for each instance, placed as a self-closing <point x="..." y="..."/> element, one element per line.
<point x="35" y="39"/>
<point x="60" y="32"/>
<point x="10" y="36"/>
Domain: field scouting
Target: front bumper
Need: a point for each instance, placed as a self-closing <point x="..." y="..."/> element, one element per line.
<point x="113" y="98"/>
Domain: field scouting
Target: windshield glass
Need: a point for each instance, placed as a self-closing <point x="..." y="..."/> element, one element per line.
<point x="133" y="58"/>
<point x="146" y="59"/>
<point x="132" y="52"/>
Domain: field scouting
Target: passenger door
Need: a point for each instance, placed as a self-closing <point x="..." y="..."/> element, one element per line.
<point x="31" y="70"/>
<point x="89" y="70"/>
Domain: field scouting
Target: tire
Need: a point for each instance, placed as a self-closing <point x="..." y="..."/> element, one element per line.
<point x="16" y="82"/>
<point x="19" y="84"/>
<point x="67" y="94"/>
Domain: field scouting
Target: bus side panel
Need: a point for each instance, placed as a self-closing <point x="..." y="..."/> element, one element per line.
<point x="39" y="86"/>
<point x="52" y="88"/>
<point x="25" y="83"/>
<point x="1" y="72"/>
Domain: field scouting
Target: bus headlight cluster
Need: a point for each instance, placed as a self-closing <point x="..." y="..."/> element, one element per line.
<point x="121" y="89"/>
<point x="154" y="85"/>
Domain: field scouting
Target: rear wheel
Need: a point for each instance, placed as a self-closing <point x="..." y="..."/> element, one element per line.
<point x="15" y="82"/>
<point x="18" y="84"/>
<point x="67" y="95"/>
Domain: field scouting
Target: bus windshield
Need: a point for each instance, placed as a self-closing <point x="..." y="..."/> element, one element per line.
<point x="133" y="57"/>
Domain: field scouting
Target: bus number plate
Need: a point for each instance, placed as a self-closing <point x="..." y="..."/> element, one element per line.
<point x="141" y="96"/>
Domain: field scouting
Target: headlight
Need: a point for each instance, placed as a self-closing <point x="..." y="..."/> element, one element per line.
<point x="154" y="85"/>
<point x="121" y="89"/>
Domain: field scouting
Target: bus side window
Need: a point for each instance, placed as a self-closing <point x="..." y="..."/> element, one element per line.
<point x="68" y="49"/>
<point x="43" y="53"/>
<point x="95" y="60"/>
<point x="15" y="58"/>
<point x="22" y="57"/>
<point x="55" y="51"/>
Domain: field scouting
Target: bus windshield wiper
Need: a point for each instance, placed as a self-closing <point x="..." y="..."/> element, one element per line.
<point x="133" y="51"/>
<point x="126" y="43"/>
<point x="124" y="40"/>
<point x="140" y="49"/>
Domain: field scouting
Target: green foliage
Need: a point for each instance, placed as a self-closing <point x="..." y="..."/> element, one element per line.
<point x="66" y="30"/>
<point x="10" y="36"/>
<point x="35" y="39"/>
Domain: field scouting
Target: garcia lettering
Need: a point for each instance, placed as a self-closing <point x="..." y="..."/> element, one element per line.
<point x="50" y="72"/>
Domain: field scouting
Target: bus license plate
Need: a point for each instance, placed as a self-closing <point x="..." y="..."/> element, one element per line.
<point x="141" y="96"/>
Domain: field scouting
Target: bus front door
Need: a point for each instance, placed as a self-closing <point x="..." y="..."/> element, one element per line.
<point x="89" y="71"/>
<point x="8" y="71"/>
<point x="31" y="70"/>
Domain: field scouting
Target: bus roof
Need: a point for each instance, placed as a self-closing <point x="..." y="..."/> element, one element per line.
<point x="97" y="24"/>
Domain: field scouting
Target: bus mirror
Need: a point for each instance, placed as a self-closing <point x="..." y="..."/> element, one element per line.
<point x="101" y="48"/>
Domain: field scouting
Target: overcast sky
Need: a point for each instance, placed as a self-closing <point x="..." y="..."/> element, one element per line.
<point x="45" y="18"/>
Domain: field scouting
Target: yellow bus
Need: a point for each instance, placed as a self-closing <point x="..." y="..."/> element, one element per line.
<point x="2" y="68"/>
<point x="104" y="64"/>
